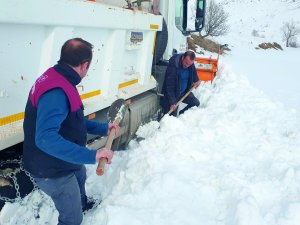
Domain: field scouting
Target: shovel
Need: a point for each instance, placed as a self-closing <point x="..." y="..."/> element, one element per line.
<point x="115" y="115"/>
<point x="181" y="100"/>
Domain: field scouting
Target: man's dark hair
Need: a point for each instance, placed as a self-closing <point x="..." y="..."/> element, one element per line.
<point x="191" y="54"/>
<point x="75" y="52"/>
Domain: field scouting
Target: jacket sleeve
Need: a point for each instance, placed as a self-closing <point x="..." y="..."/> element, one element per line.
<point x="96" y="128"/>
<point x="170" y="83"/>
<point x="53" y="108"/>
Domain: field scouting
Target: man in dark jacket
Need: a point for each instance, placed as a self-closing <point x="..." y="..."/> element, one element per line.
<point x="55" y="133"/>
<point x="180" y="76"/>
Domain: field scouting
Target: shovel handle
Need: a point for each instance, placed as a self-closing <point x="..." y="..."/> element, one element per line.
<point x="103" y="161"/>
<point x="108" y="144"/>
<point x="184" y="97"/>
<point x="101" y="166"/>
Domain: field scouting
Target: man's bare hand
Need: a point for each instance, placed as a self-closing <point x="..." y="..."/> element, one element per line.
<point x="104" y="153"/>
<point x="196" y="84"/>
<point x="173" y="107"/>
<point x="115" y="127"/>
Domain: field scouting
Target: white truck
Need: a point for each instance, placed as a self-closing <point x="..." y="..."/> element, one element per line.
<point x="130" y="38"/>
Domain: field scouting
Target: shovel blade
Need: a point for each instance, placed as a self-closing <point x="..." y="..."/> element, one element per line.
<point x="116" y="110"/>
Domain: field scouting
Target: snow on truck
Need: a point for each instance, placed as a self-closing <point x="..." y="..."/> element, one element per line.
<point x="132" y="42"/>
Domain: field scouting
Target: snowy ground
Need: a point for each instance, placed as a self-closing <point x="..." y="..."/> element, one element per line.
<point x="272" y="71"/>
<point x="233" y="161"/>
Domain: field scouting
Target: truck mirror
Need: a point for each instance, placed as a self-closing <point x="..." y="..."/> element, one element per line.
<point x="190" y="15"/>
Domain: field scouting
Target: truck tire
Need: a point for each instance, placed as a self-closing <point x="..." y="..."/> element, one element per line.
<point x="160" y="43"/>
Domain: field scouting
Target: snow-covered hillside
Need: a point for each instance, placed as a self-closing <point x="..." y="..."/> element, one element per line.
<point x="253" y="22"/>
<point x="264" y="16"/>
<point x="235" y="160"/>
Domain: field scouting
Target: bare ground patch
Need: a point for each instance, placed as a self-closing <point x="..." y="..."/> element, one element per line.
<point x="206" y="44"/>
<point x="269" y="45"/>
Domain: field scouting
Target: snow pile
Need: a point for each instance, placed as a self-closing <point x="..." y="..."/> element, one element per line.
<point x="234" y="160"/>
<point x="147" y="130"/>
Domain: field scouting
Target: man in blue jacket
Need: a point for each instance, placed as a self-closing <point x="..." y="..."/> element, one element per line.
<point x="180" y="76"/>
<point x="55" y="133"/>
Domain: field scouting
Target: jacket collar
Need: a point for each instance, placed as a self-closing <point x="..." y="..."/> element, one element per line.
<point x="66" y="71"/>
<point x="178" y="62"/>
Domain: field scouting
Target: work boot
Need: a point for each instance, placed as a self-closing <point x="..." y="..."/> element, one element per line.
<point x="90" y="204"/>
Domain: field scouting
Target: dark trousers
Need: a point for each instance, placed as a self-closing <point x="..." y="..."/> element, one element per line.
<point x="190" y="100"/>
<point x="68" y="195"/>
